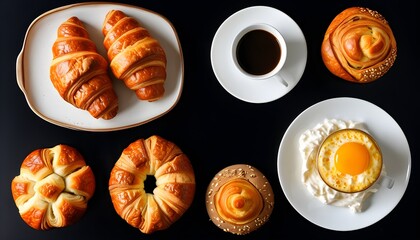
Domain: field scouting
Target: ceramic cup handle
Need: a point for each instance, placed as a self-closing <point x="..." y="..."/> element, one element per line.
<point x="284" y="78"/>
<point x="386" y="181"/>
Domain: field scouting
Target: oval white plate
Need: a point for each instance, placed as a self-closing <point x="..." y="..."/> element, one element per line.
<point x="236" y="83"/>
<point x="33" y="62"/>
<point x="394" y="146"/>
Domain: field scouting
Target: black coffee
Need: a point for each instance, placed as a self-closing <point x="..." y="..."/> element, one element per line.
<point x="258" y="52"/>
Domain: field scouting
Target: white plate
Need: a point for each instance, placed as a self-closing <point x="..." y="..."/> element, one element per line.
<point x="394" y="146"/>
<point x="237" y="84"/>
<point x="33" y="62"/>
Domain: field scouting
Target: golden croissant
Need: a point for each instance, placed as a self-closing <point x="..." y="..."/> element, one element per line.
<point x="148" y="210"/>
<point x="53" y="187"/>
<point x="359" y="45"/>
<point x="79" y="73"/>
<point x="135" y="56"/>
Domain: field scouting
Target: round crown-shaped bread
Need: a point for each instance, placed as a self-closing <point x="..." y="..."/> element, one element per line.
<point x="175" y="184"/>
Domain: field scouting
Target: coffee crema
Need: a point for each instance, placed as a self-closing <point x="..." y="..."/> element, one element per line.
<point x="258" y="52"/>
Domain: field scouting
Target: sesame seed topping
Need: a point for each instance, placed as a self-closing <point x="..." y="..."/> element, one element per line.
<point x="374" y="14"/>
<point x="370" y="74"/>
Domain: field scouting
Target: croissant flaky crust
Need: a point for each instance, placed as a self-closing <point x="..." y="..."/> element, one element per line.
<point x="136" y="57"/>
<point x="359" y="45"/>
<point x="79" y="73"/>
<point x="239" y="199"/>
<point x="175" y="184"/>
<point x="53" y="188"/>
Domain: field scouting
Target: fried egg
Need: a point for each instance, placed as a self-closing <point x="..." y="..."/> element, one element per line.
<point x="349" y="160"/>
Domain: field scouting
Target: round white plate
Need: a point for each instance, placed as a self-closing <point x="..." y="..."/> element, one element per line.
<point x="33" y="63"/>
<point x="394" y="146"/>
<point x="237" y="84"/>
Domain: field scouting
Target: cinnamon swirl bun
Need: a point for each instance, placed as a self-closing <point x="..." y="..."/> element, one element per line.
<point x="359" y="45"/>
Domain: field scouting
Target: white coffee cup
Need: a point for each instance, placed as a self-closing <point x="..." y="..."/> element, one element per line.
<point x="259" y="51"/>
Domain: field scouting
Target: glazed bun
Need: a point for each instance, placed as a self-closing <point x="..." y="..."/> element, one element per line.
<point x="359" y="45"/>
<point x="53" y="188"/>
<point x="239" y="199"/>
<point x="175" y="184"/>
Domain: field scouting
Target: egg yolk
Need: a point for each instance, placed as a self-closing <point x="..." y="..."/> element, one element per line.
<point x="352" y="158"/>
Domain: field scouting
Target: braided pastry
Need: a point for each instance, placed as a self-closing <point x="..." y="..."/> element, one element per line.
<point x="53" y="188"/>
<point x="175" y="184"/>
<point x="136" y="57"/>
<point x="79" y="72"/>
<point x="359" y="45"/>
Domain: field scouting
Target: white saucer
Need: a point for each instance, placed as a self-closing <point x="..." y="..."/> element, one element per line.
<point x="246" y="89"/>
<point x="394" y="146"/>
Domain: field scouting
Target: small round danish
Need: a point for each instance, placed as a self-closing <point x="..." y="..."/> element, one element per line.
<point x="239" y="199"/>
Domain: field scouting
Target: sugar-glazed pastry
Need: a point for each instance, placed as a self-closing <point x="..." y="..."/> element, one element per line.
<point x="239" y="199"/>
<point x="359" y="45"/>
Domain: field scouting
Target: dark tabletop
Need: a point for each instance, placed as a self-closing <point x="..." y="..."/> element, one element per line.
<point x="214" y="128"/>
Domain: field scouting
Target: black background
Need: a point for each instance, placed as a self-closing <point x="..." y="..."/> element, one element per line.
<point x="214" y="128"/>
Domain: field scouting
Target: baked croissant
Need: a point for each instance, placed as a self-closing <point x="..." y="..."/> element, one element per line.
<point x="79" y="73"/>
<point x="175" y="184"/>
<point x="239" y="199"/>
<point x="359" y="45"/>
<point x="53" y="188"/>
<point x="136" y="57"/>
